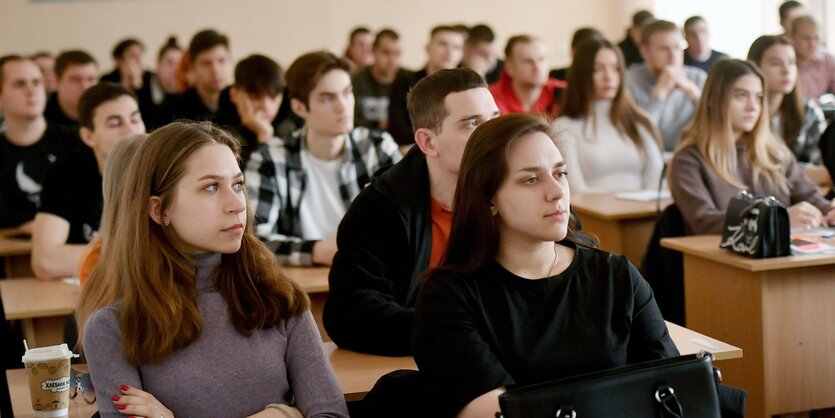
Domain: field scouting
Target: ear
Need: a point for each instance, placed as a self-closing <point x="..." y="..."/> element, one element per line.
<point x="425" y="140"/>
<point x="299" y="108"/>
<point x="493" y="209"/>
<point x="644" y="52"/>
<point x="155" y="209"/>
<point x="233" y="95"/>
<point x="86" y="135"/>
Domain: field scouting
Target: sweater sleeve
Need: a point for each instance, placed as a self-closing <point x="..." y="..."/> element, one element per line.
<point x="649" y="338"/>
<point x="569" y="138"/>
<point x="315" y="389"/>
<point x="654" y="161"/>
<point x="449" y="348"/>
<point x="802" y="188"/>
<point x="108" y="367"/>
<point x="692" y="195"/>
<point x="362" y="312"/>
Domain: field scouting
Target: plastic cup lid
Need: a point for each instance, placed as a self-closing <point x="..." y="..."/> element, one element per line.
<point x="47" y="353"/>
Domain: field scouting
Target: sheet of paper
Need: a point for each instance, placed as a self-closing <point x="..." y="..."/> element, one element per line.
<point x="644" y="195"/>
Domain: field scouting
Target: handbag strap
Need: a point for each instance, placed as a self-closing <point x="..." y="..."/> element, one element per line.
<point x="670" y="406"/>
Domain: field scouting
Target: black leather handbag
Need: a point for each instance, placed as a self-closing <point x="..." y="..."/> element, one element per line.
<point x="674" y="387"/>
<point x="756" y="226"/>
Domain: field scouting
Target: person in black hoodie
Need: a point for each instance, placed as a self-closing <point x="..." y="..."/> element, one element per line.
<point x="249" y="108"/>
<point x="630" y="43"/>
<point x="444" y="50"/>
<point x="398" y="226"/>
<point x="212" y="65"/>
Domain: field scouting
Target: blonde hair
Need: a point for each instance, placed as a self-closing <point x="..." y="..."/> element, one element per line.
<point x="711" y="132"/>
<point x="97" y="291"/>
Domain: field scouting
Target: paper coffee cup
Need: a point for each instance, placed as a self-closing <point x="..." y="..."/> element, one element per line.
<point x="48" y="369"/>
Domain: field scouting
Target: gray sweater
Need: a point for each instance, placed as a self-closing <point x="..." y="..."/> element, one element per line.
<point x="702" y="196"/>
<point x="223" y="373"/>
<point x="672" y="113"/>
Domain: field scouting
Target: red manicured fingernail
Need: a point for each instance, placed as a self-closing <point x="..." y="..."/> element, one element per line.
<point x="114" y="398"/>
<point x="123" y="387"/>
<point x="122" y="407"/>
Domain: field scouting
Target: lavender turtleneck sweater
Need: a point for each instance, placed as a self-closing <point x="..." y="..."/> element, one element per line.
<point x="222" y="374"/>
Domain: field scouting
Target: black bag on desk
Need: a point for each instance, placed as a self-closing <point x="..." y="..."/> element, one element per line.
<point x="683" y="386"/>
<point x="756" y="226"/>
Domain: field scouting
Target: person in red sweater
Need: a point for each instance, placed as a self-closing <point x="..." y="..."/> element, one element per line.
<point x="524" y="85"/>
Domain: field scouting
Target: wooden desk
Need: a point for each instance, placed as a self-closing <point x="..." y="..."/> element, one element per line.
<point x="41" y="306"/>
<point x="622" y="226"/>
<point x="314" y="281"/>
<point x="16" y="253"/>
<point x="780" y="310"/>
<point x="356" y="373"/>
<point x="43" y="317"/>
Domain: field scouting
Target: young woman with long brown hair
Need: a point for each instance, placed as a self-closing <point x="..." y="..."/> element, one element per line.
<point x="204" y="323"/>
<point x="519" y="298"/>
<point x="794" y="119"/>
<point x="729" y="147"/>
<point x="610" y="145"/>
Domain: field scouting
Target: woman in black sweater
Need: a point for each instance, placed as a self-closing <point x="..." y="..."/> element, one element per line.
<point x="520" y="297"/>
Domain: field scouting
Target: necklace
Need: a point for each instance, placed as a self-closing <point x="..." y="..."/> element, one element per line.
<point x="553" y="263"/>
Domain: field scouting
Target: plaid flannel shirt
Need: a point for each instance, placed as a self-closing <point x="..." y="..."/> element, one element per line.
<point x="805" y="147"/>
<point x="276" y="182"/>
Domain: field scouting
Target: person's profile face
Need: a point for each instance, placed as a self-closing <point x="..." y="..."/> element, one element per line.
<point x="791" y="14"/>
<point x="208" y="206"/>
<point x="532" y="204"/>
<point x="213" y="69"/>
<point x="387" y="55"/>
<point x="779" y="67"/>
<point x="663" y="50"/>
<point x="47" y="66"/>
<point x="697" y="36"/>
<point x="22" y="94"/>
<point x="132" y="54"/>
<point x="806" y="41"/>
<point x="360" y="49"/>
<point x="113" y="121"/>
<point x="480" y="51"/>
<point x="606" y="74"/>
<point x="527" y="64"/>
<point x="445" y="49"/>
<point x="745" y="103"/>
<point x="75" y="80"/>
<point x="466" y="110"/>
<point x="330" y="109"/>
<point x="167" y="69"/>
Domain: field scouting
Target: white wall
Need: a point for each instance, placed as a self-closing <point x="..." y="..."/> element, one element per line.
<point x="734" y="24"/>
<point x="283" y="29"/>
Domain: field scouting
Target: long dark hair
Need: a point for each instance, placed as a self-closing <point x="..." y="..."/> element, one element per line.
<point x="474" y="235"/>
<point x="792" y="108"/>
<point x="580" y="93"/>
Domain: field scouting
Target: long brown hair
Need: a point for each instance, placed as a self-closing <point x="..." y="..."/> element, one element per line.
<point x="156" y="280"/>
<point x="581" y="93"/>
<point x="474" y="234"/>
<point x="792" y="108"/>
<point x="97" y="291"/>
<point x="711" y="133"/>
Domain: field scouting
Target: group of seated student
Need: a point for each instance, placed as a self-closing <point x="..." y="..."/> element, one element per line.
<point x="463" y="253"/>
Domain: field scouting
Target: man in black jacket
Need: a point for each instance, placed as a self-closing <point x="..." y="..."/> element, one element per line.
<point x="398" y="226"/>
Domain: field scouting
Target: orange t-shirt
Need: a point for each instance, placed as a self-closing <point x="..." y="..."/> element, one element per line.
<point x="89" y="261"/>
<point x="441" y="222"/>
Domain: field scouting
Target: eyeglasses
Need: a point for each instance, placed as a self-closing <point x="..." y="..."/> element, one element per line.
<point x="81" y="382"/>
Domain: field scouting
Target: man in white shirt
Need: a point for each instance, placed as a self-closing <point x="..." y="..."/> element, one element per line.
<point x="302" y="185"/>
